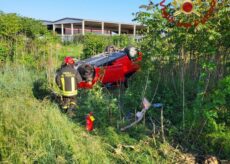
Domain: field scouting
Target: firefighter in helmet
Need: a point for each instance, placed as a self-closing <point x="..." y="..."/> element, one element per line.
<point x="67" y="78"/>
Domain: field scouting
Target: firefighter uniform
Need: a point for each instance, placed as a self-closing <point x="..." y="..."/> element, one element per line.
<point x="67" y="78"/>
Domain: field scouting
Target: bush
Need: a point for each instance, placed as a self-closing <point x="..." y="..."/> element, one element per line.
<point x="4" y="51"/>
<point x="23" y="39"/>
<point x="122" y="41"/>
<point x="94" y="44"/>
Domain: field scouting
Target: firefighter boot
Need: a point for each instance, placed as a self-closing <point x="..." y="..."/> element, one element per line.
<point x="71" y="110"/>
<point x="65" y="104"/>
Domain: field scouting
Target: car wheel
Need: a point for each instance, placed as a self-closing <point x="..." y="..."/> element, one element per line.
<point x="87" y="72"/>
<point x="110" y="49"/>
<point x="132" y="52"/>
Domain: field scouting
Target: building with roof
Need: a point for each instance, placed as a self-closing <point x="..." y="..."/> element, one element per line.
<point x="68" y="27"/>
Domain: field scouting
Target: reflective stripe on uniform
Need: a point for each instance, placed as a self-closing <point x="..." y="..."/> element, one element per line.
<point x="69" y="93"/>
<point x="64" y="107"/>
<point x="73" y="83"/>
<point x="72" y="103"/>
<point x="63" y="83"/>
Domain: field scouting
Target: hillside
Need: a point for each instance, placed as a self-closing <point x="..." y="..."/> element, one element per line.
<point x="34" y="130"/>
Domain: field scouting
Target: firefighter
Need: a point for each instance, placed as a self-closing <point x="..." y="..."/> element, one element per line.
<point x="67" y="78"/>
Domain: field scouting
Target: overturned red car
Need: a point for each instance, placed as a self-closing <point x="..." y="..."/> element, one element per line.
<point x="110" y="67"/>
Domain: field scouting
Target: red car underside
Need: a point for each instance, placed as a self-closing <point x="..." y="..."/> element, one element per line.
<point x="113" y="72"/>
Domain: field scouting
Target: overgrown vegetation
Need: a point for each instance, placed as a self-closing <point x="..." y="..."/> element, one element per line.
<point x="35" y="130"/>
<point x="187" y="70"/>
<point x="94" y="44"/>
<point x="192" y="66"/>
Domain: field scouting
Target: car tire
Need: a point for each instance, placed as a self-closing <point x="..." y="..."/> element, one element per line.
<point x="132" y="52"/>
<point x="110" y="49"/>
<point x="87" y="72"/>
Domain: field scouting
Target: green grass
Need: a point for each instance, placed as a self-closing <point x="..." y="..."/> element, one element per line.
<point x="70" y="50"/>
<point x="33" y="130"/>
<point x="37" y="131"/>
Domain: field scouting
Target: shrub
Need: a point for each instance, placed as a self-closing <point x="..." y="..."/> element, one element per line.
<point x="4" y="51"/>
<point x="94" y="44"/>
<point x="122" y="41"/>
